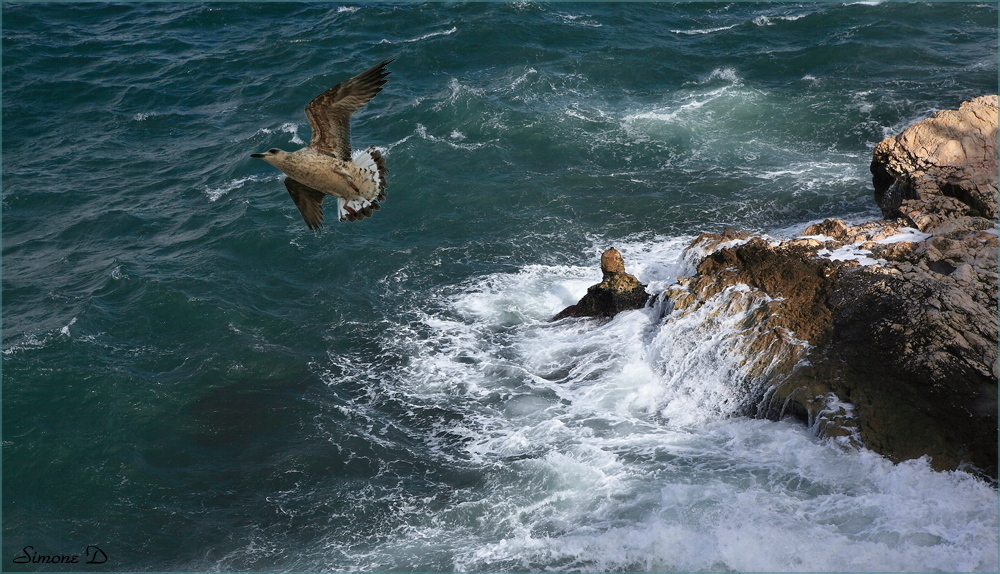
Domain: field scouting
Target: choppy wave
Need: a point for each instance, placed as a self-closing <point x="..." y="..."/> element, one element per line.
<point x="288" y="128"/>
<point x="705" y="30"/>
<point x="216" y="193"/>
<point x="225" y="389"/>
<point x="447" y="32"/>
<point x="613" y="446"/>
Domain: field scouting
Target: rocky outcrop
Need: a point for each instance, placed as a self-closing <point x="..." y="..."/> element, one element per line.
<point x="876" y="334"/>
<point x="882" y="334"/>
<point x="951" y="154"/>
<point x="619" y="291"/>
<point x="914" y="347"/>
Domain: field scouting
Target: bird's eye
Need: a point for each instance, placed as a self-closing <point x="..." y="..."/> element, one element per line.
<point x="273" y="150"/>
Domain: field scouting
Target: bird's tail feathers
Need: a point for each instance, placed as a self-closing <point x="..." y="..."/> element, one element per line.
<point x="356" y="209"/>
<point x="373" y="164"/>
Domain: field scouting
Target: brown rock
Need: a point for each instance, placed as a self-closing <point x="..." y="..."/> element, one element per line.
<point x="916" y="352"/>
<point x="929" y="213"/>
<point x="788" y="272"/>
<point x="952" y="153"/>
<point x="612" y="263"/>
<point x="833" y="228"/>
<point x="619" y="291"/>
<point x="782" y="291"/>
<point x="898" y="251"/>
<point x="900" y="357"/>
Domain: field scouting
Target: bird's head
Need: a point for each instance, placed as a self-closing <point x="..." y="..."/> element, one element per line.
<point x="271" y="156"/>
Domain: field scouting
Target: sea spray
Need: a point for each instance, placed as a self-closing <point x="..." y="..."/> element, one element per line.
<point x="249" y="395"/>
<point x="619" y="445"/>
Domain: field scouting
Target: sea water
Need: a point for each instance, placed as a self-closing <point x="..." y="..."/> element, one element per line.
<point x="192" y="380"/>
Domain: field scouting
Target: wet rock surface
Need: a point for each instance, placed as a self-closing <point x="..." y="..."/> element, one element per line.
<point x="882" y="334"/>
<point x="893" y="348"/>
<point x="618" y="291"/>
<point x="915" y="346"/>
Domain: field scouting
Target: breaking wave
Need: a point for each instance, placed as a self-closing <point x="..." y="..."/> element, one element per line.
<point x="619" y="445"/>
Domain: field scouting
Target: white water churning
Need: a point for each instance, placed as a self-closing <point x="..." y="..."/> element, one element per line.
<point x="619" y="446"/>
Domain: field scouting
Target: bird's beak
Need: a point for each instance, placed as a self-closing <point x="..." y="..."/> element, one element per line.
<point x="259" y="155"/>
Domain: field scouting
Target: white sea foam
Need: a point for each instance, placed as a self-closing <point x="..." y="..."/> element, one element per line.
<point x="29" y="341"/>
<point x="522" y="78"/>
<point x="448" y="32"/>
<point x="759" y="497"/>
<point x="769" y="20"/>
<point x="580" y="20"/>
<point x="727" y="74"/>
<point x="657" y="262"/>
<point x="855" y="251"/>
<point x="65" y="330"/>
<point x="617" y="445"/>
<point x="761" y="20"/>
<point x="421" y="132"/>
<point x="852" y="252"/>
<point x="288" y="128"/>
<point x="680" y="113"/>
<point x="457" y="91"/>
<point x="291" y="128"/>
<point x="692" y="108"/>
<point x="216" y="193"/>
<point x="704" y="30"/>
<point x="905" y="234"/>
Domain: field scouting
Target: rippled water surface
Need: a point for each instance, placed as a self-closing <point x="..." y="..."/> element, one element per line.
<point x="192" y="380"/>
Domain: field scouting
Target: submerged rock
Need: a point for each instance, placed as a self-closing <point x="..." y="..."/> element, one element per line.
<point x="619" y="291"/>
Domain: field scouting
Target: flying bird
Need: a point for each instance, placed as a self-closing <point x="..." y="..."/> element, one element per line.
<point x="326" y="166"/>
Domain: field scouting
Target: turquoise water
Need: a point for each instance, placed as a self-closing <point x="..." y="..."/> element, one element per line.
<point x="192" y="380"/>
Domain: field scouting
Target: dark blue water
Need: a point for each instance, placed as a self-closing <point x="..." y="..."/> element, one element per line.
<point x="192" y="380"/>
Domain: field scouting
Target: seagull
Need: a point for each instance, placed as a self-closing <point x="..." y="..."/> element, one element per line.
<point x="326" y="166"/>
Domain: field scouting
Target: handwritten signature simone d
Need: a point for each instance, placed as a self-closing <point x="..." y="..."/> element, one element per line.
<point x="92" y="554"/>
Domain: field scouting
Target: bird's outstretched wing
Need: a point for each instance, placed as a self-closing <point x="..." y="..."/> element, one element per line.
<point x="329" y="113"/>
<point x="308" y="200"/>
